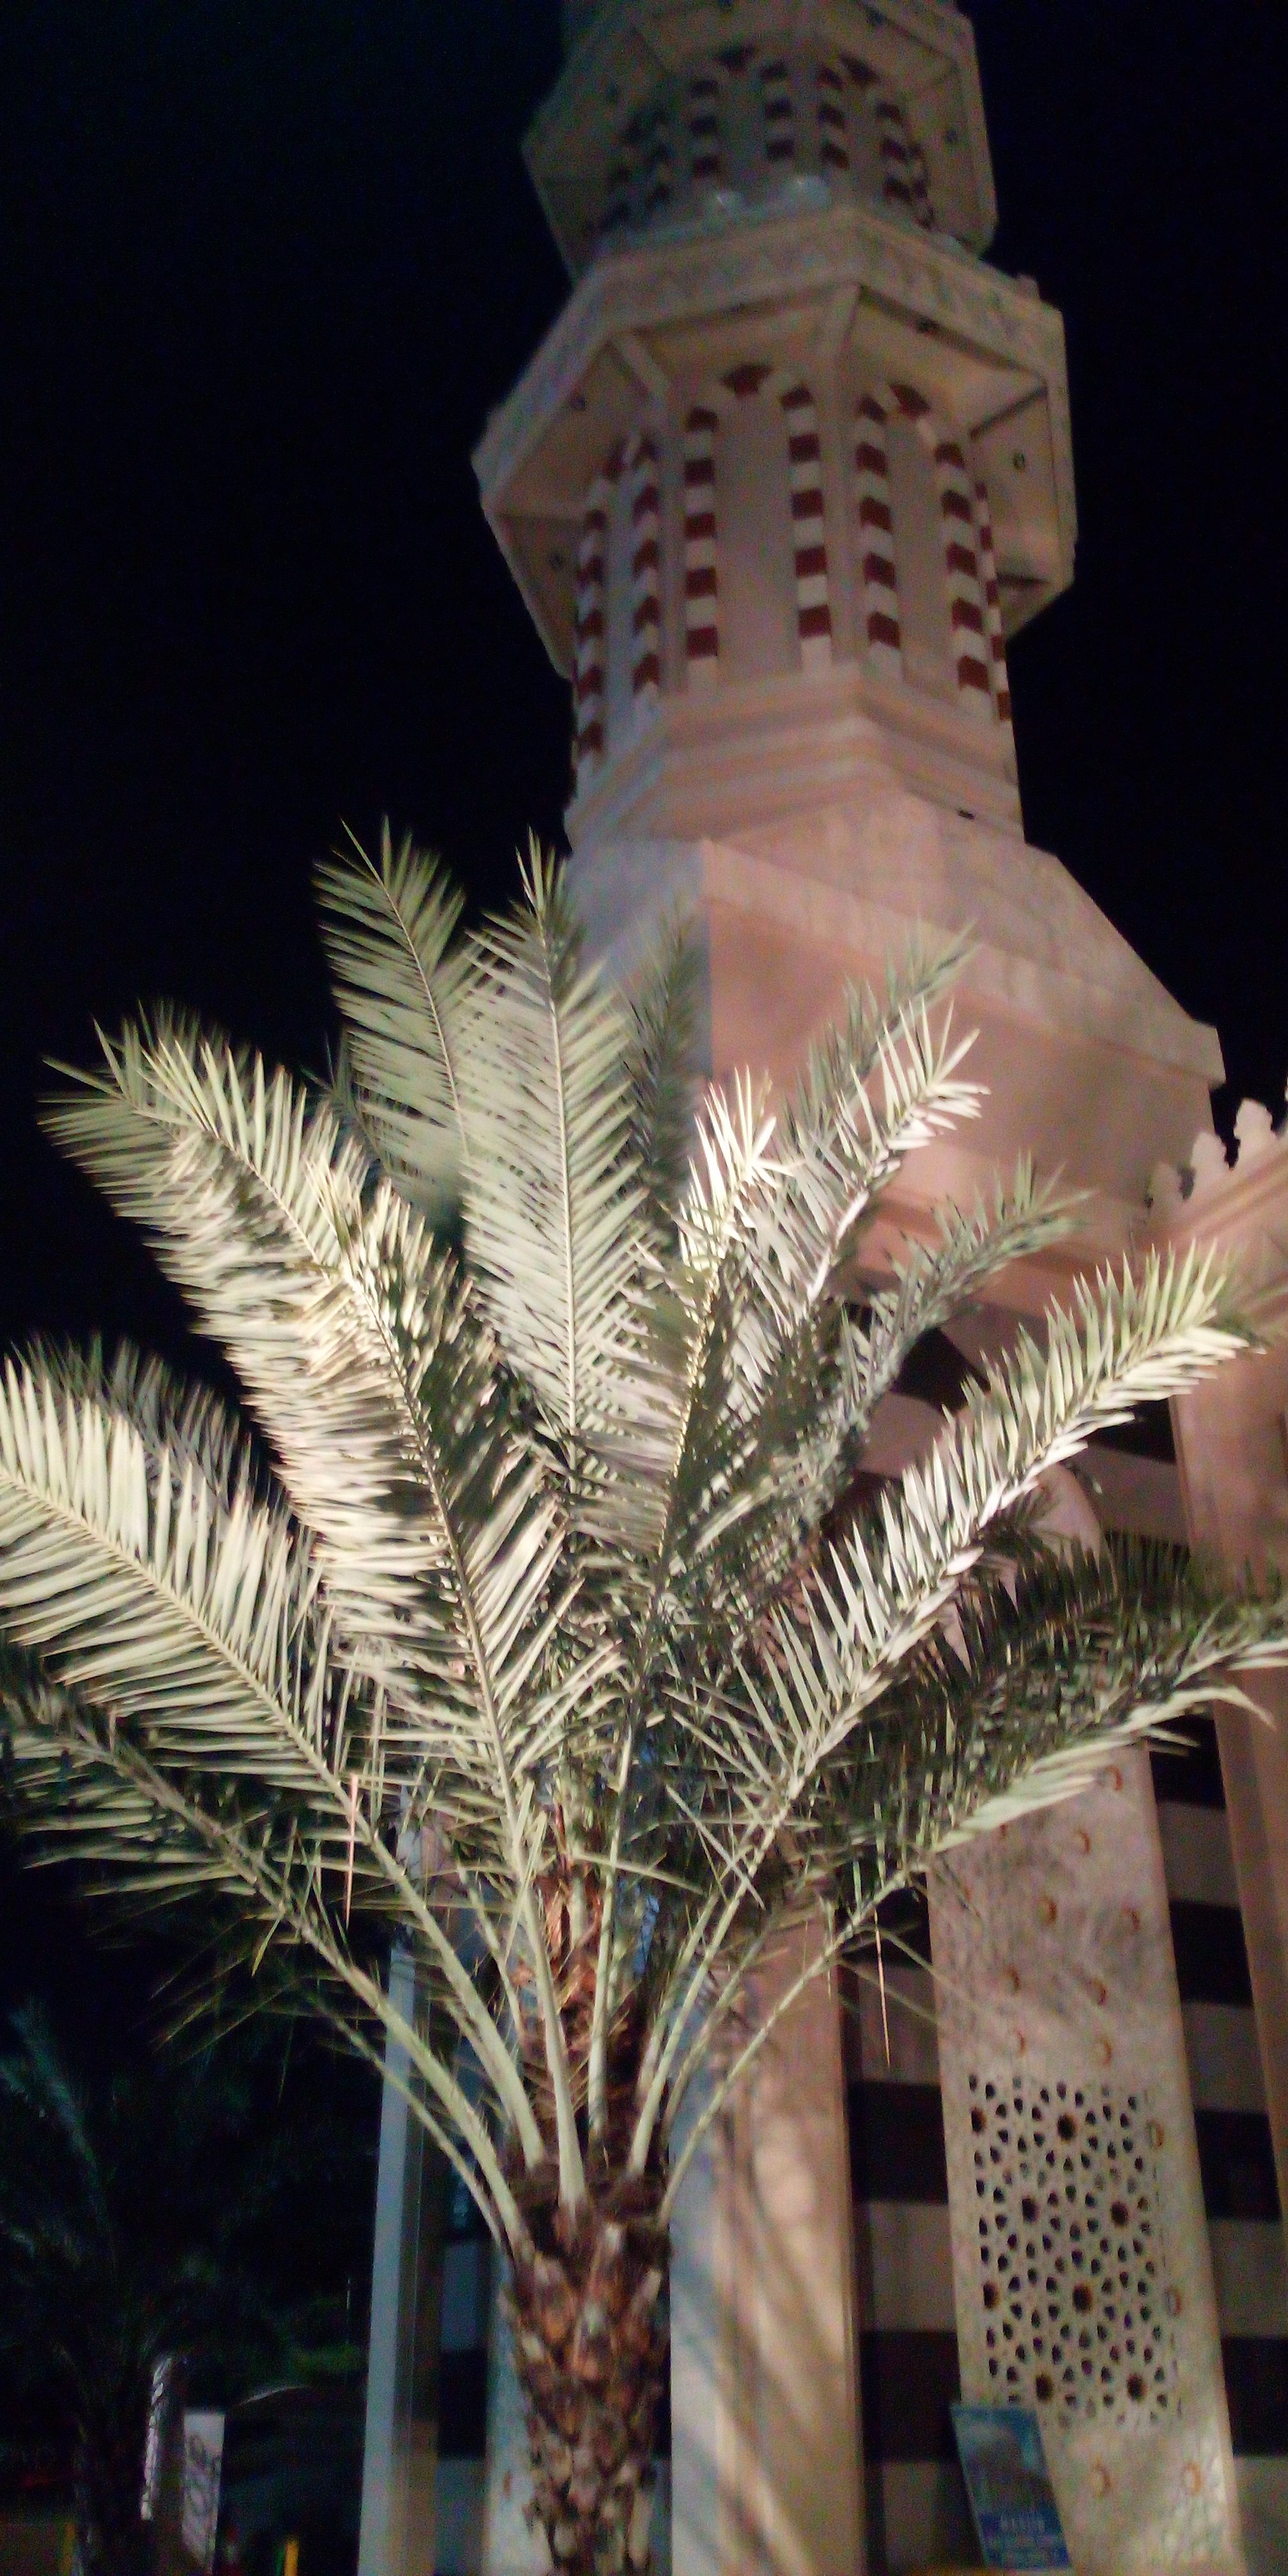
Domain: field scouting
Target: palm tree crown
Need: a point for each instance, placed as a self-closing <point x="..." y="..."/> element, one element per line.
<point x="535" y="1615"/>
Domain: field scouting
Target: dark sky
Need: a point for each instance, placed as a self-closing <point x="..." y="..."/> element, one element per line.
<point x="265" y="269"/>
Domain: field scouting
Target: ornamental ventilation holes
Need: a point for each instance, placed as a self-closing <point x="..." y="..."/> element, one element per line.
<point x="1073" y="2273"/>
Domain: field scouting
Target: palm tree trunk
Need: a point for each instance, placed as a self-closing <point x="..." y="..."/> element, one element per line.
<point x="112" y="2538"/>
<point x="591" y="2345"/>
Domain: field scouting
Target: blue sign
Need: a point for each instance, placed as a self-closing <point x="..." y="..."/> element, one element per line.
<point x="1010" y="2490"/>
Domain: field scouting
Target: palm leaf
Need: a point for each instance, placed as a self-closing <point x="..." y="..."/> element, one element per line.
<point x="408" y="999"/>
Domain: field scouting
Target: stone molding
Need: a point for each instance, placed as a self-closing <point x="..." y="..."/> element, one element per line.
<point x="766" y="256"/>
<point x="1124" y="1007"/>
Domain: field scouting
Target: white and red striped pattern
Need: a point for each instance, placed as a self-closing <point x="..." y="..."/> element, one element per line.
<point x="659" y="167"/>
<point x="706" y="151"/>
<point x="809" y="529"/>
<point x="646" y="570"/>
<point x="617" y="204"/>
<point x="833" y="123"/>
<point x="876" y="536"/>
<point x="778" y="108"/>
<point x="903" y="169"/>
<point x="962" y="577"/>
<point x="992" y="605"/>
<point x="701" y="591"/>
<point x="588" y="632"/>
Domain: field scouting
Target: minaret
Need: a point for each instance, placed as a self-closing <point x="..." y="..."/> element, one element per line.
<point x="788" y="472"/>
<point x="791" y="466"/>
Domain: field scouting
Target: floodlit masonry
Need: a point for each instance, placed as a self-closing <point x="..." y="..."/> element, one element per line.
<point x="790" y="469"/>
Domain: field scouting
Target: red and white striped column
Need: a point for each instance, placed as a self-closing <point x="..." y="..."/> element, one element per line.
<point x="833" y="124"/>
<point x="971" y="654"/>
<point x="588" y="632"/>
<point x="903" y="168"/>
<point x="701" y="589"/>
<point x="646" y="571"/>
<point x="778" y="109"/>
<point x="993" y="628"/>
<point x="876" y="537"/>
<point x="809" y="528"/>
<point x="658" y="168"/>
<point x="706" y="156"/>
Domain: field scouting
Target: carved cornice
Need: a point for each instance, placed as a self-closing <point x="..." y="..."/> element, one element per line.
<point x="715" y="270"/>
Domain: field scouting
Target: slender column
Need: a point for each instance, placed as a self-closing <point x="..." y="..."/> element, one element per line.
<point x="701" y="580"/>
<point x="588" y="655"/>
<point x="706" y="155"/>
<point x="903" y="170"/>
<point x="876" y="538"/>
<point x="809" y="530"/>
<point x="971" y="653"/>
<point x="778" y="110"/>
<point x="833" y="130"/>
<point x="992" y="604"/>
<point x="397" y="2528"/>
<point x="646" y="571"/>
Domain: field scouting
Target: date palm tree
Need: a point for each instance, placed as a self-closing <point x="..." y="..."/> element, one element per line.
<point x="533" y="1615"/>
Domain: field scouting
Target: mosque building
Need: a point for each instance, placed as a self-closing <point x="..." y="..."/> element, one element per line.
<point x="791" y="468"/>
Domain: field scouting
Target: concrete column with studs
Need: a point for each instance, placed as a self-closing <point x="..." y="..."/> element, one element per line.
<point x="1081" y="2268"/>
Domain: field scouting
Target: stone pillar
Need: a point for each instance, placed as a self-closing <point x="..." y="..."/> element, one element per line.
<point x="766" y="2454"/>
<point x="1232" y="1450"/>
<point x="512" y="2546"/>
<point x="1082" y="2273"/>
<point x="397" y="2528"/>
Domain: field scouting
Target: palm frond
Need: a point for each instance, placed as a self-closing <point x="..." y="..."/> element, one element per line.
<point x="538" y="1628"/>
<point x="662" y="1069"/>
<point x="407" y="994"/>
<point x="1026" y="1707"/>
<point x="764" y="1736"/>
<point x="555" y="1199"/>
<point x="141" y="1582"/>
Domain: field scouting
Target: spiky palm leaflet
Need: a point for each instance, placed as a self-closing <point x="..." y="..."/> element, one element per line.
<point x="532" y="1621"/>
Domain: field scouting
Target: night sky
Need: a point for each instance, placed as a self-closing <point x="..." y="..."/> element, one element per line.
<point x="266" y="268"/>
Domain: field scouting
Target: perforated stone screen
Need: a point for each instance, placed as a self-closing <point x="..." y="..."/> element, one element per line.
<point x="1073" y="2272"/>
<point x="1081" y="2268"/>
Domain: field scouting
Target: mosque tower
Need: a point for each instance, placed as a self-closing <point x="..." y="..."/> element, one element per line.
<point x="790" y="469"/>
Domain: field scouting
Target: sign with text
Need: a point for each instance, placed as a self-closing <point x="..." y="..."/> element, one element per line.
<point x="1010" y="2490"/>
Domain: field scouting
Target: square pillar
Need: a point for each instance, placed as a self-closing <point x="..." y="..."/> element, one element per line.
<point x="1082" y="2270"/>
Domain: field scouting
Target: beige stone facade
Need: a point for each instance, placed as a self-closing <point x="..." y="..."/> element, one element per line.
<point x="792" y="466"/>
